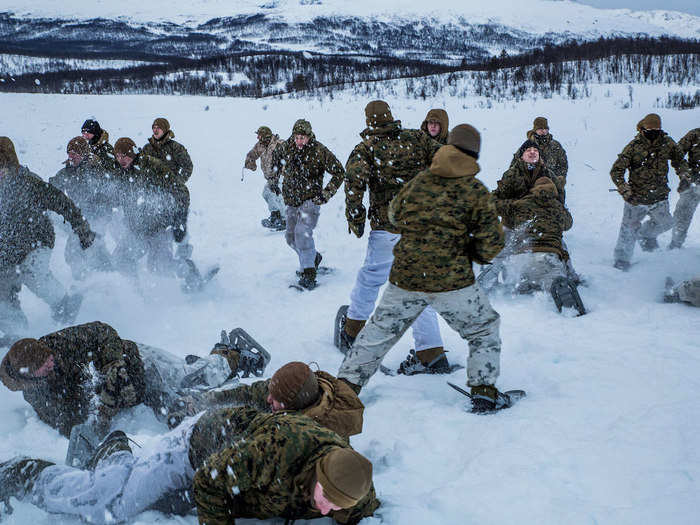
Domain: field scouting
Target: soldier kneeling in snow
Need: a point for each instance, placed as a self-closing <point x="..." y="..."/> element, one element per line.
<point x="230" y="463"/>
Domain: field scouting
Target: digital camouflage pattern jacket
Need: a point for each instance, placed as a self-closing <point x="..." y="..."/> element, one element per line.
<point x="153" y="199"/>
<point x="95" y="372"/>
<point x="303" y="169"/>
<point x="386" y="159"/>
<point x="257" y="465"/>
<point x="539" y="220"/>
<point x="265" y="154"/>
<point x="88" y="186"/>
<point x="24" y="226"/>
<point x="337" y="408"/>
<point x="447" y="219"/>
<point x="690" y="145"/>
<point x="516" y="183"/>
<point x="647" y="163"/>
<point x="171" y="153"/>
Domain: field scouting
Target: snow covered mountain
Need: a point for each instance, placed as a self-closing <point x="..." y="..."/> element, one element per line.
<point x="454" y="31"/>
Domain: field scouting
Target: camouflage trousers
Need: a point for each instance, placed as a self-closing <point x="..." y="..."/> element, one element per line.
<point x="301" y="221"/>
<point x="689" y="291"/>
<point x="683" y="215"/>
<point x="95" y="258"/>
<point x="632" y="228"/>
<point x="157" y="248"/>
<point x="121" y="485"/>
<point x="274" y="201"/>
<point x="534" y="271"/>
<point x="373" y="275"/>
<point x="466" y="310"/>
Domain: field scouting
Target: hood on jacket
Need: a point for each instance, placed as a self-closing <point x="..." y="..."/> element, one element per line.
<point x="441" y="116"/>
<point x="450" y="162"/>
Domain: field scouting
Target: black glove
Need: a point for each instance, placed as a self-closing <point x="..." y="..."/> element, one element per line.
<point x="87" y="237"/>
<point x="179" y="233"/>
<point x="358" y="228"/>
<point x="275" y="189"/>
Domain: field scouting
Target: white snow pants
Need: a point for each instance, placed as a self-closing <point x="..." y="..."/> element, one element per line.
<point x="95" y="258"/>
<point x="683" y="214"/>
<point x="632" y="227"/>
<point x="466" y="310"/>
<point x="157" y="248"/>
<point x="534" y="270"/>
<point x="121" y="486"/>
<point x="373" y="275"/>
<point x="301" y="221"/>
<point x="274" y="201"/>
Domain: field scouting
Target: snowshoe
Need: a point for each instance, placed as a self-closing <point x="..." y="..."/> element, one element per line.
<point x="565" y="294"/>
<point x="67" y="309"/>
<point x="485" y="403"/>
<point x="412" y="365"/>
<point x="83" y="442"/>
<point x="307" y="281"/>
<point x="194" y="281"/>
<point x="622" y="265"/>
<point x="253" y="357"/>
<point x="115" y="441"/>
<point x="339" y="326"/>
<point x="275" y="222"/>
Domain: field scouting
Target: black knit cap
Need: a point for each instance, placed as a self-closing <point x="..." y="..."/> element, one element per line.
<point x="527" y="145"/>
<point x="92" y="126"/>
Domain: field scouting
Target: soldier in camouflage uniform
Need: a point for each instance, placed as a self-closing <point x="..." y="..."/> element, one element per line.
<point x="162" y="146"/>
<point x="447" y="219"/>
<point x="302" y="161"/>
<point x="436" y="125"/>
<point x="293" y="388"/>
<point x="685" y="292"/>
<point x="387" y="158"/>
<point x="86" y="183"/>
<point x="689" y="189"/>
<point x="263" y="150"/>
<point x="539" y="219"/>
<point x="247" y="464"/>
<point x="646" y="190"/>
<point x="155" y="204"/>
<point x="551" y="151"/>
<point x="26" y="240"/>
<point x="100" y="148"/>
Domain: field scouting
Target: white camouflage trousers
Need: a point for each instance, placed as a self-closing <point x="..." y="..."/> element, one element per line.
<point x="373" y="275"/>
<point x="632" y="228"/>
<point x="301" y="221"/>
<point x="683" y="214"/>
<point x="157" y="248"/>
<point x="95" y="258"/>
<point x="121" y="486"/>
<point x="534" y="270"/>
<point x="466" y="310"/>
<point x="274" y="201"/>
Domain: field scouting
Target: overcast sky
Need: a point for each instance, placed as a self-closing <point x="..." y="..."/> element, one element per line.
<point x="687" y="6"/>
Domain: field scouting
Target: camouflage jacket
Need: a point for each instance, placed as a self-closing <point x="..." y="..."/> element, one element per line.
<point x="172" y="153"/>
<point x="540" y="220"/>
<point x="647" y="163"/>
<point x="262" y="466"/>
<point x="95" y="372"/>
<point x="88" y="186"/>
<point x="551" y="152"/>
<point x="303" y="171"/>
<point x="441" y="116"/>
<point x="690" y="145"/>
<point x="102" y="152"/>
<point x="337" y="408"/>
<point x="153" y="199"/>
<point x="24" y="200"/>
<point x="265" y="154"/>
<point x="386" y="159"/>
<point x="447" y="219"/>
<point x="516" y="183"/>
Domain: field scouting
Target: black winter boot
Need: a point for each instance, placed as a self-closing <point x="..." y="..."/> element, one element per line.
<point x="308" y="279"/>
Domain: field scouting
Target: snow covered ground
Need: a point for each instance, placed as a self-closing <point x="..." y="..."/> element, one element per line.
<point x="609" y="431"/>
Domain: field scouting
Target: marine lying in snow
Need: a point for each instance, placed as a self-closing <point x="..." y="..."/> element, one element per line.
<point x="230" y="463"/>
<point x="79" y="378"/>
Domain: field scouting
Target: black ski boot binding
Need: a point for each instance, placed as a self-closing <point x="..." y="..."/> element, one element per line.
<point x="253" y="357"/>
<point x="566" y="295"/>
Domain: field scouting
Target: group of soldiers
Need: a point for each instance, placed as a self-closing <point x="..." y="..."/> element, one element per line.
<point x="280" y="447"/>
<point x="139" y="197"/>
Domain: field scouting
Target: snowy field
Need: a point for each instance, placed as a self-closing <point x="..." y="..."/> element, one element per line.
<point x="609" y="431"/>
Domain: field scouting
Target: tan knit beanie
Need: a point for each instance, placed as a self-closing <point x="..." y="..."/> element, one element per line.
<point x="377" y="113"/>
<point x="345" y="475"/>
<point x="8" y="156"/>
<point x="78" y="145"/>
<point x="162" y="123"/>
<point x="544" y="185"/>
<point x="465" y="138"/>
<point x="651" y="121"/>
<point x="24" y="358"/>
<point x="540" y="123"/>
<point x="295" y="385"/>
<point x="125" y="146"/>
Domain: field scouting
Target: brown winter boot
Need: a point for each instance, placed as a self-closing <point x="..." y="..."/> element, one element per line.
<point x="349" y="334"/>
<point x="429" y="354"/>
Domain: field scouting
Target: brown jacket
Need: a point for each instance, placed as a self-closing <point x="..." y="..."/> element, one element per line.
<point x="264" y="153"/>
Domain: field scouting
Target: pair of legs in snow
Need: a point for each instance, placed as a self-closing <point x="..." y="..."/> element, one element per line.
<point x="35" y="274"/>
<point x="277" y="209"/>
